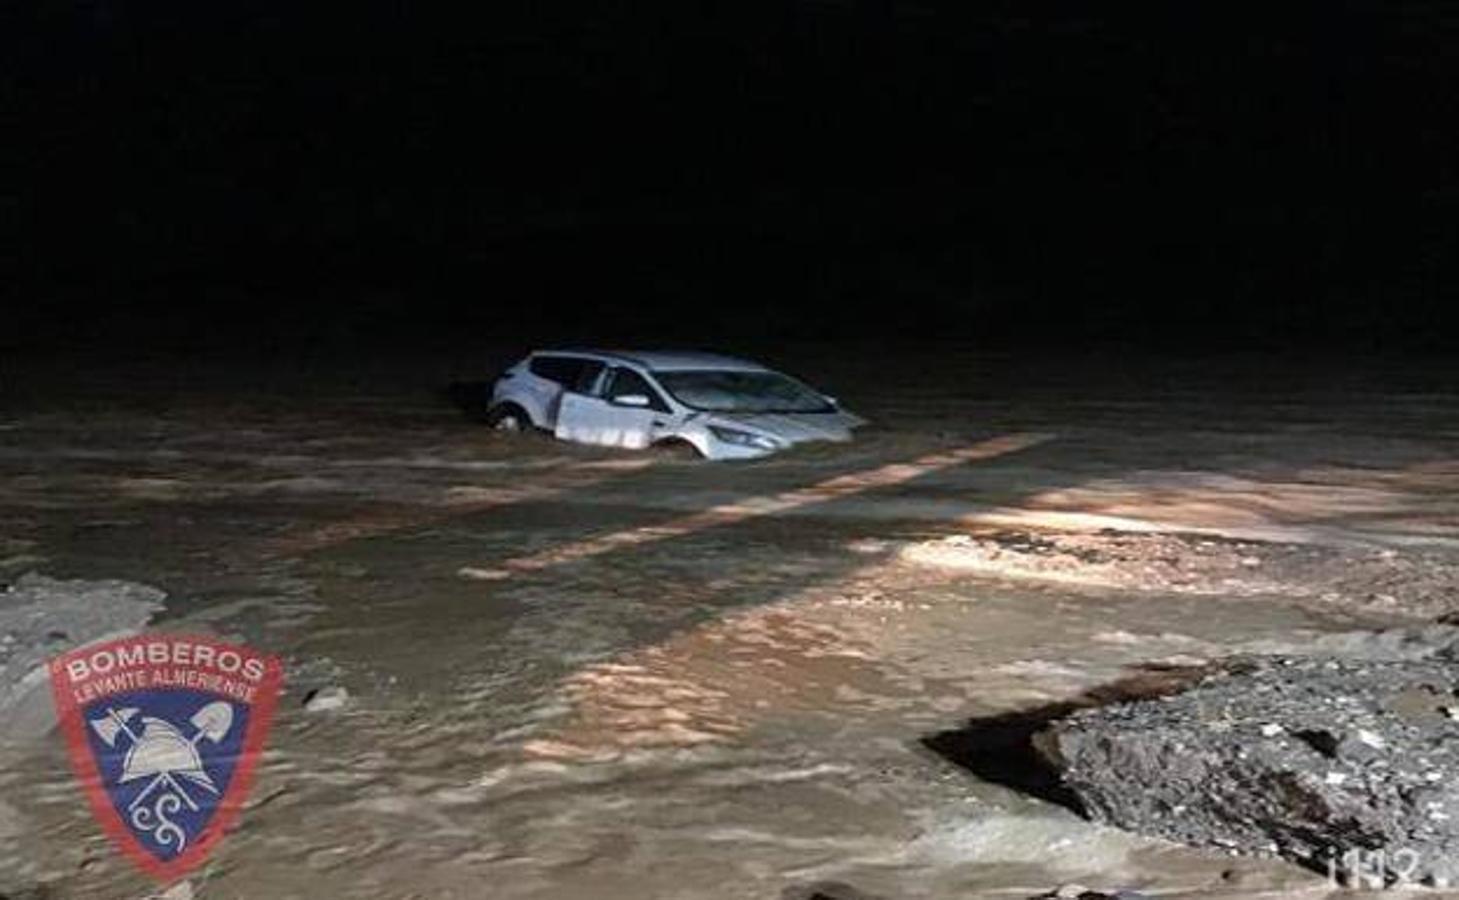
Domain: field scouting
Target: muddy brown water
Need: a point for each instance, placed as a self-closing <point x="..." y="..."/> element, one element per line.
<point x="582" y="673"/>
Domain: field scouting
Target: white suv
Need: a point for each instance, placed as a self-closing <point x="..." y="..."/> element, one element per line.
<point x="723" y="408"/>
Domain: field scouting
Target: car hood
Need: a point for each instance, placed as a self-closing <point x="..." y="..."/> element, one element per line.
<point x="794" y="428"/>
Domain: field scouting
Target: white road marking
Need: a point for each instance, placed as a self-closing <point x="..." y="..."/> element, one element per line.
<point x="755" y="507"/>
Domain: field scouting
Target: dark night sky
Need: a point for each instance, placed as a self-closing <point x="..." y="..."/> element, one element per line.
<point x="192" y="174"/>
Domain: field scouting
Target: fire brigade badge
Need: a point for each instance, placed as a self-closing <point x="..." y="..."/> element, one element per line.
<point x="164" y="732"/>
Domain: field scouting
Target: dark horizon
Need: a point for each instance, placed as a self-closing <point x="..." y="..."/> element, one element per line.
<point x="257" y="177"/>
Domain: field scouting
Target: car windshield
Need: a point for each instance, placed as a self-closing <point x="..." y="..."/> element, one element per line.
<point x="742" y="392"/>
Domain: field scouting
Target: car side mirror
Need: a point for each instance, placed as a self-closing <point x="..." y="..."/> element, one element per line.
<point x="631" y="400"/>
<point x="831" y="400"/>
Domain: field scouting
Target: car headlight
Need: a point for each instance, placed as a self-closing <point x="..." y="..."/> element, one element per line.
<point x="744" y="438"/>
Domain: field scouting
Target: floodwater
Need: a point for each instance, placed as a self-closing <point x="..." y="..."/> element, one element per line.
<point x="585" y="673"/>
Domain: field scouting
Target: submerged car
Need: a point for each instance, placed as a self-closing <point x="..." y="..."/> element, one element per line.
<point x="718" y="406"/>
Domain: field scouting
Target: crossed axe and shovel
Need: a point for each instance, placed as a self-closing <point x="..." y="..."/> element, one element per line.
<point x="161" y="752"/>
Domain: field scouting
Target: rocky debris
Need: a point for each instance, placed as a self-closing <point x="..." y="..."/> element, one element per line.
<point x="326" y="699"/>
<point x="1411" y="583"/>
<point x="40" y="617"/>
<point x="1106" y="559"/>
<point x="1313" y="759"/>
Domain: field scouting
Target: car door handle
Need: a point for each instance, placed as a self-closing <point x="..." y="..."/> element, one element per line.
<point x="658" y="423"/>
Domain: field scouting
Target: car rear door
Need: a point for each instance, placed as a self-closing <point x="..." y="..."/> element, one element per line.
<point x="552" y="375"/>
<point x="601" y="418"/>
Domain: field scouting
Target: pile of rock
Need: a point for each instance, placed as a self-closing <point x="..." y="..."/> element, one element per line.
<point x="41" y="617"/>
<point x="1347" y="765"/>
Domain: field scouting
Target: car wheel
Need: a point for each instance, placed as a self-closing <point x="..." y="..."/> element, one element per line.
<point x="676" y="448"/>
<point x="510" y="418"/>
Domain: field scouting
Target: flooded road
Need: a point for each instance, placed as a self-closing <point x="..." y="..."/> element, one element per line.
<point x="580" y="673"/>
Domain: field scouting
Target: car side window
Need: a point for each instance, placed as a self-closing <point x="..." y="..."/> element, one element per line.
<point x="564" y="370"/>
<point x="587" y="377"/>
<point x="622" y="382"/>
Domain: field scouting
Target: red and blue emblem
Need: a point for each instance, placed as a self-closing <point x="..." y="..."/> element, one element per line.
<point x="164" y="732"/>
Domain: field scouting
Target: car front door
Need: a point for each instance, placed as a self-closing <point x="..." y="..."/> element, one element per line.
<point x="626" y="411"/>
